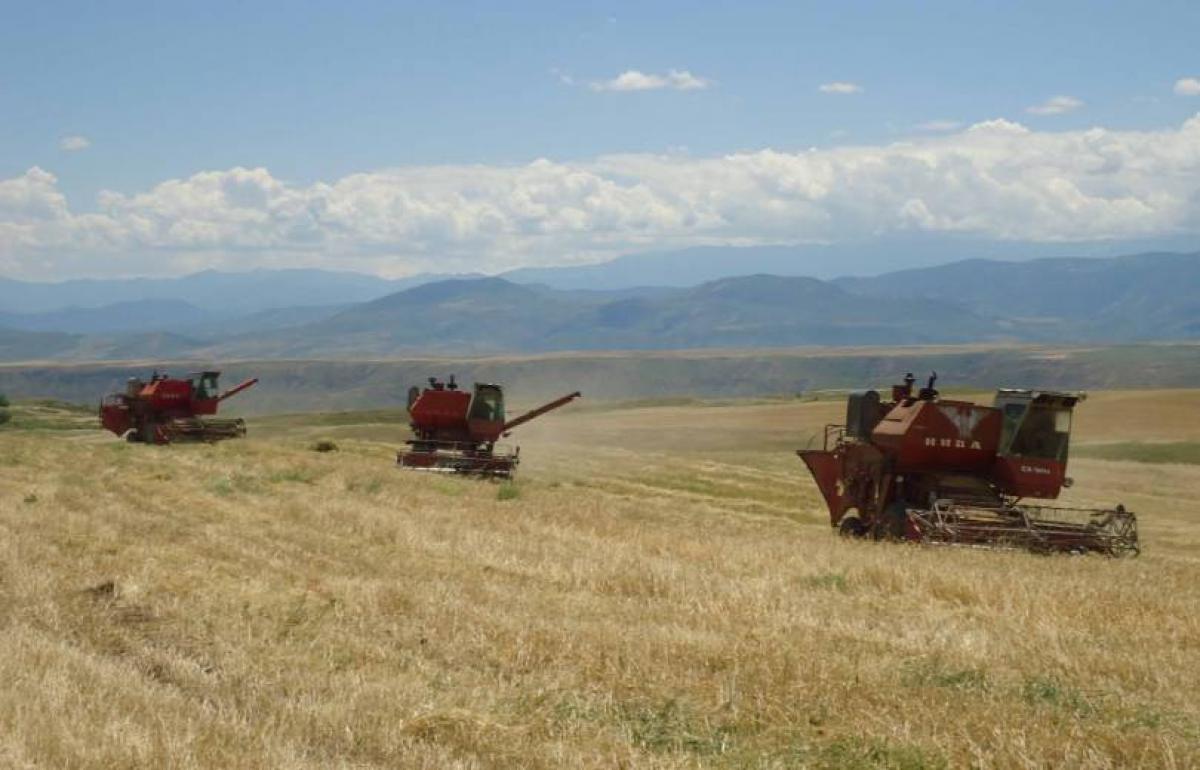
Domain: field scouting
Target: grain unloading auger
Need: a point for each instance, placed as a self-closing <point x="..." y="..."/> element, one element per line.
<point x="928" y="469"/>
<point x="456" y="432"/>
<point x="168" y="409"/>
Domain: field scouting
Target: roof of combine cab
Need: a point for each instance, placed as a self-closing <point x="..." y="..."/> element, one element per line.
<point x="1044" y="395"/>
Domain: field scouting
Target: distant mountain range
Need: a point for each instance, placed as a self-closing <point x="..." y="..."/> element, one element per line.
<point x="312" y="314"/>
<point x="222" y="294"/>
<point x="1145" y="296"/>
<point x="693" y="266"/>
<point x="491" y="315"/>
<point x="157" y="314"/>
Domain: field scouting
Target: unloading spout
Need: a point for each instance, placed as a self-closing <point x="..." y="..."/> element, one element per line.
<point x="535" y="413"/>
<point x="238" y="389"/>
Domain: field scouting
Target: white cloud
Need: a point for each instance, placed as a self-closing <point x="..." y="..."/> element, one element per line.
<point x="937" y="126"/>
<point x="635" y="80"/>
<point x="1055" y="105"/>
<point x="840" y="87"/>
<point x="74" y="143"/>
<point x="1188" y="86"/>
<point x="996" y="179"/>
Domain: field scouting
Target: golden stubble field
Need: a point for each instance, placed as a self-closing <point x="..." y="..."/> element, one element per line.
<point x="659" y="589"/>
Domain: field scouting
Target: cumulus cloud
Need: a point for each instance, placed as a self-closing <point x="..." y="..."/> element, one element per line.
<point x="635" y="80"/>
<point x="1055" y="105"/>
<point x="74" y="143"/>
<point x="996" y="179"/>
<point x="840" y="87"/>
<point x="1188" y="86"/>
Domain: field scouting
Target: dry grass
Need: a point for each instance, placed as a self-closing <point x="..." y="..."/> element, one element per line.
<point x="659" y="589"/>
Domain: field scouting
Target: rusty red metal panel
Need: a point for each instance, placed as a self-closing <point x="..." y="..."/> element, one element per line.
<point x="939" y="435"/>
<point x="1029" y="476"/>
<point x="441" y="410"/>
<point x="826" y="469"/>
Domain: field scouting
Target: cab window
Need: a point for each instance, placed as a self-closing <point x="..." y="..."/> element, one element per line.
<point x="206" y="387"/>
<point x="1044" y="433"/>
<point x="1013" y="414"/>
<point x="488" y="404"/>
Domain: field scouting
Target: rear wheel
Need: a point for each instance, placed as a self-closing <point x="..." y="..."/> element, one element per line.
<point x="852" y="526"/>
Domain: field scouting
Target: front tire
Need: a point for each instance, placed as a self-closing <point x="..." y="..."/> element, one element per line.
<point x="852" y="526"/>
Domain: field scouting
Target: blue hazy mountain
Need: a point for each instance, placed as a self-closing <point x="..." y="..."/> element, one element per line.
<point x="134" y="315"/>
<point x="1143" y="297"/>
<point x="693" y="266"/>
<point x="222" y="293"/>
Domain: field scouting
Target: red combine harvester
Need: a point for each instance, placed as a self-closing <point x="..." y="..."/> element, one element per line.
<point x="456" y="432"/>
<point x="927" y="469"/>
<point x="167" y="409"/>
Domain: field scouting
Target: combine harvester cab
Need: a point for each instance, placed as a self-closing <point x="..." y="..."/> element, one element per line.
<point x="456" y="432"/>
<point x="167" y="409"/>
<point x="927" y="469"/>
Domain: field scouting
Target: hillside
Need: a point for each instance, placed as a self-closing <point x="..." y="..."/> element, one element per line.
<point x="297" y="385"/>
<point x="17" y="345"/>
<point x="490" y="315"/>
<point x="766" y="310"/>
<point x="1129" y="299"/>
<point x="1149" y="297"/>
<point x="871" y="256"/>
<point x="1126" y="298"/>
<point x="659" y="589"/>
<point x="218" y="292"/>
<point x="156" y="315"/>
<point x="471" y="316"/>
<point x="212" y="290"/>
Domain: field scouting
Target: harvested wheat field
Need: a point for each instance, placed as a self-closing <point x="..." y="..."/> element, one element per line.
<point x="659" y="588"/>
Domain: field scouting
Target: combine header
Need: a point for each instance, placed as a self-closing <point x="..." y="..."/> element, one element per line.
<point x="456" y="432"/>
<point x="168" y="409"/>
<point x="927" y="469"/>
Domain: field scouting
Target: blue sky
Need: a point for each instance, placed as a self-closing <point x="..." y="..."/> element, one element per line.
<point x="147" y="93"/>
